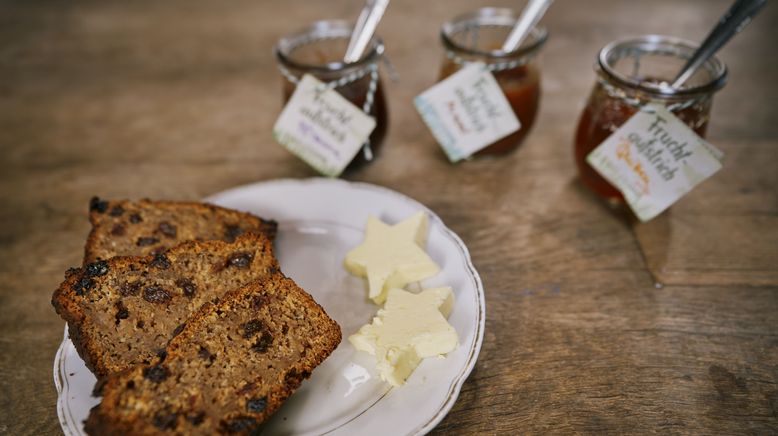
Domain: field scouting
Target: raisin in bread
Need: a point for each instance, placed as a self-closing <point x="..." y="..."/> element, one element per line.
<point x="227" y="371"/>
<point x="133" y="228"/>
<point x="122" y="311"/>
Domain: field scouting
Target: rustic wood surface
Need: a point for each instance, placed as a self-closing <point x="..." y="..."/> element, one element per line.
<point x="594" y="324"/>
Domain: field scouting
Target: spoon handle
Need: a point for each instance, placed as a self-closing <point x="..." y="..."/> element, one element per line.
<point x="530" y="16"/>
<point x="738" y="16"/>
<point x="358" y="26"/>
<point x="363" y="31"/>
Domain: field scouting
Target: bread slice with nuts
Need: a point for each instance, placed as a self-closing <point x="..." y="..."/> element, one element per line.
<point x="137" y="228"/>
<point x="122" y="311"/>
<point x="227" y="371"/>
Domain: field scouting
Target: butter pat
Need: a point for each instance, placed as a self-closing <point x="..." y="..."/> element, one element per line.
<point x="409" y="328"/>
<point x="392" y="256"/>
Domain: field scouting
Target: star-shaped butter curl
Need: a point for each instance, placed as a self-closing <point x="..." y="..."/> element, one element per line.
<point x="392" y="256"/>
<point x="408" y="329"/>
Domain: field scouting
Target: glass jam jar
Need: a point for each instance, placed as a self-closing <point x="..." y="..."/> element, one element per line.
<point x="635" y="72"/>
<point x="478" y="37"/>
<point x="318" y="50"/>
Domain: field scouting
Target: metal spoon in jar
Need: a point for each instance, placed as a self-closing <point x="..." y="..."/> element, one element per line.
<point x="738" y="16"/>
<point x="365" y="27"/>
<point x="530" y="16"/>
<point x="361" y="35"/>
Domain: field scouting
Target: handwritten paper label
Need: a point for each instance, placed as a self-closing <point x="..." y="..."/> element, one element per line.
<point x="322" y="128"/>
<point x="654" y="159"/>
<point x="467" y="111"/>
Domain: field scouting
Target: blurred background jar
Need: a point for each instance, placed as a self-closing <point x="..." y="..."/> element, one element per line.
<point x="630" y="74"/>
<point x="478" y="37"/>
<point x="319" y="50"/>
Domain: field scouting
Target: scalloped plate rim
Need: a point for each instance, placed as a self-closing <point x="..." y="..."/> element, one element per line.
<point x="60" y="378"/>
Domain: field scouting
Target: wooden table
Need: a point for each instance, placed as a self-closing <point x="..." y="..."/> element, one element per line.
<point x="176" y="100"/>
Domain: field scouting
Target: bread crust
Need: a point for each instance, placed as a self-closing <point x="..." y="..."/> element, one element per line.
<point x="70" y="305"/>
<point x="104" y="222"/>
<point x="113" y="415"/>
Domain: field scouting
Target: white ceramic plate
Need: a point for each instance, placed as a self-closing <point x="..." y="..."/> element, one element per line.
<point x="320" y="220"/>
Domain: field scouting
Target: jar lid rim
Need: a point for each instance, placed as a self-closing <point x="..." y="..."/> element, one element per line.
<point x="317" y="31"/>
<point x="713" y="64"/>
<point x="496" y="17"/>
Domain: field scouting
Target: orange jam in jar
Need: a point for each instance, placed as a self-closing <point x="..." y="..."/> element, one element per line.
<point x="318" y="50"/>
<point x="630" y="74"/>
<point x="478" y="37"/>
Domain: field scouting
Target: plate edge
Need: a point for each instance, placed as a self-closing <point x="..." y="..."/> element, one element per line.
<point x="60" y="381"/>
<point x="456" y="387"/>
<point x="61" y="384"/>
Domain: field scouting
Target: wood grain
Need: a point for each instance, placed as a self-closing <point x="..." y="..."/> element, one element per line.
<point x="594" y="324"/>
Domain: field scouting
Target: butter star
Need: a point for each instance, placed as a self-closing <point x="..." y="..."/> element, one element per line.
<point x="392" y="256"/>
<point x="409" y="328"/>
